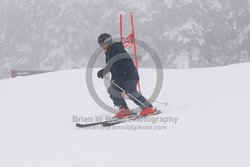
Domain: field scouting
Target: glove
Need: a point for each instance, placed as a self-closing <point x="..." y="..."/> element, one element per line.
<point x="100" y="74"/>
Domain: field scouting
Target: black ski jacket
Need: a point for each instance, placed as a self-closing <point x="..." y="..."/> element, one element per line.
<point x="123" y="68"/>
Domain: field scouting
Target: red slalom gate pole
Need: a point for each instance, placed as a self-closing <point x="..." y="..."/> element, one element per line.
<point x="121" y="36"/>
<point x="134" y="45"/>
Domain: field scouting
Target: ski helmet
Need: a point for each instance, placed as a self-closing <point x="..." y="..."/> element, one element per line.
<point x="105" y="38"/>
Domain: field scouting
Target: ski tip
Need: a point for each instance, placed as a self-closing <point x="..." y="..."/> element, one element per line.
<point x="79" y="125"/>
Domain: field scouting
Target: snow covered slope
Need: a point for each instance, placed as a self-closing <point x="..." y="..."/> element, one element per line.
<point x="210" y="105"/>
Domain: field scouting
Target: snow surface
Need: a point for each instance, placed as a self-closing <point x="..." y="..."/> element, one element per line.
<point x="213" y="127"/>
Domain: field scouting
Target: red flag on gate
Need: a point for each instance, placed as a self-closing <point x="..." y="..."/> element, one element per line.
<point x="128" y="41"/>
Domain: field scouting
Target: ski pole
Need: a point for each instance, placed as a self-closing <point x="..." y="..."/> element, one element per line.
<point x="125" y="91"/>
<point x="166" y="103"/>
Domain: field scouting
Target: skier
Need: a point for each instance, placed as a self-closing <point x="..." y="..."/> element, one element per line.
<point x="125" y="75"/>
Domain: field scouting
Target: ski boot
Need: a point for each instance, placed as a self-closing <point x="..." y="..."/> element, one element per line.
<point x="124" y="112"/>
<point x="148" y="111"/>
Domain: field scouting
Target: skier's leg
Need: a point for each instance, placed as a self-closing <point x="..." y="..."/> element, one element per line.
<point x="118" y="100"/>
<point x="147" y="108"/>
<point x="130" y="87"/>
<point x="115" y="95"/>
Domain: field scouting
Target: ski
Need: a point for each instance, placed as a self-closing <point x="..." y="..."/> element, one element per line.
<point x="119" y="121"/>
<point x="103" y="123"/>
<point x="116" y="121"/>
<point x="79" y="125"/>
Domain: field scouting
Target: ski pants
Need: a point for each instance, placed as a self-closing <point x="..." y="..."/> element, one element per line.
<point x="130" y="87"/>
